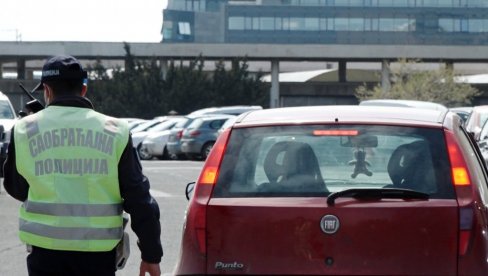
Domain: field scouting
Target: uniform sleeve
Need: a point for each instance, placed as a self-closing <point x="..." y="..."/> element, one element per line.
<point x="142" y="207"/>
<point x="14" y="183"/>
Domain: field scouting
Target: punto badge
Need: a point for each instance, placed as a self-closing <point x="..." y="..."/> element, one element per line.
<point x="329" y="224"/>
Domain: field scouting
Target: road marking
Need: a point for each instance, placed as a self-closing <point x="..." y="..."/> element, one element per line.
<point x="156" y="193"/>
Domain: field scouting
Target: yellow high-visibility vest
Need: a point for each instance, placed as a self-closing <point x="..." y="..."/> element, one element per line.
<point x="69" y="156"/>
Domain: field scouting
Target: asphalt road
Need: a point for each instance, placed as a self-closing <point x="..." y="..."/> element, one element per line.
<point x="168" y="181"/>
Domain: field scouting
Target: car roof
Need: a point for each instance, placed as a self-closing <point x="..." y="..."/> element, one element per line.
<point x="404" y="103"/>
<point x="343" y="114"/>
<point x="480" y="108"/>
<point x="216" y="117"/>
<point x="232" y="110"/>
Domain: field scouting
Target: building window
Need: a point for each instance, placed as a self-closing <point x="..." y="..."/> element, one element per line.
<point x="255" y="23"/>
<point x="236" y="23"/>
<point x="167" y="33"/>
<point x="167" y="30"/>
<point x="311" y="24"/>
<point x="184" y="28"/>
<point x="278" y="23"/>
<point x="248" y="23"/>
<point x="286" y="23"/>
<point x="297" y="23"/>
<point x="267" y="23"/>
<point x="356" y="24"/>
<point x="341" y="24"/>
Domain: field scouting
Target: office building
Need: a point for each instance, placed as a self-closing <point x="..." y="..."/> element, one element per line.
<point x="392" y="22"/>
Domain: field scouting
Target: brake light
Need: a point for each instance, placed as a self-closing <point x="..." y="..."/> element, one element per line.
<point x="197" y="212"/>
<point x="335" y="132"/>
<point x="179" y="134"/>
<point x="464" y="193"/>
<point x="194" y="133"/>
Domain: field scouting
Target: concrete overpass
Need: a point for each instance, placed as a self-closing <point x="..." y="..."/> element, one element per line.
<point x="21" y="52"/>
<point x="10" y="51"/>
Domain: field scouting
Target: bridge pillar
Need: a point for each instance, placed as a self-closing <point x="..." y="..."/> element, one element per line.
<point x="163" y="65"/>
<point x="275" y="84"/>
<point x="450" y="65"/>
<point x="21" y="69"/>
<point x="385" y="77"/>
<point x="342" y="71"/>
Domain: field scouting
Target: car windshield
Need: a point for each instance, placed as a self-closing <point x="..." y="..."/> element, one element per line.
<point x="182" y="123"/>
<point x="145" y="126"/>
<point x="317" y="160"/>
<point x="6" y="110"/>
<point x="162" y="126"/>
<point x="196" y="123"/>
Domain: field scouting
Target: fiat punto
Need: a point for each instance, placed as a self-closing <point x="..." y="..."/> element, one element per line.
<point x="340" y="190"/>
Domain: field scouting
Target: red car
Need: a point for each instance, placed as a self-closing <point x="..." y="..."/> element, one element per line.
<point x="340" y="190"/>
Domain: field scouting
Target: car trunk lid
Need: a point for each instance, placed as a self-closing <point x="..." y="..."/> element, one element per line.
<point x="366" y="237"/>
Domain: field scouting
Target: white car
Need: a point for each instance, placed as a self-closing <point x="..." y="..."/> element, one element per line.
<point x="7" y="121"/>
<point x="138" y="137"/>
<point x="154" y="144"/>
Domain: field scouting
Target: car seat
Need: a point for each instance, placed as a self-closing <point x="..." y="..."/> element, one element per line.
<point x="292" y="166"/>
<point x="410" y="167"/>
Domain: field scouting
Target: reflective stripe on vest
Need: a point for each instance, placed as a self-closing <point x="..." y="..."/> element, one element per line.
<point x="71" y="233"/>
<point x="73" y="210"/>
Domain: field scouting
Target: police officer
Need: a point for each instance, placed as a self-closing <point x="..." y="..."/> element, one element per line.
<point x="75" y="171"/>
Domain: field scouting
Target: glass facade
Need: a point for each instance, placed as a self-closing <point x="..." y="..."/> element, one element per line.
<point x="424" y="22"/>
<point x="322" y="24"/>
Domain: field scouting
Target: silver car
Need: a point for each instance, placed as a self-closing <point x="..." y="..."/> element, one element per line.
<point x="198" y="138"/>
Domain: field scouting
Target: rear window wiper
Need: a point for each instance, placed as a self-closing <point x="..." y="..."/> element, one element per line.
<point x="377" y="193"/>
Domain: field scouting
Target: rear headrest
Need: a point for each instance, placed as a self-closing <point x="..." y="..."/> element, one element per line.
<point x="406" y="161"/>
<point x="287" y="158"/>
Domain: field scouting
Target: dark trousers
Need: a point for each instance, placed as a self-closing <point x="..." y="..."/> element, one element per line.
<point x="44" y="262"/>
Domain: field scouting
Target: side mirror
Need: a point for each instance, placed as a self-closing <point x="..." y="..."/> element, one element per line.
<point x="189" y="190"/>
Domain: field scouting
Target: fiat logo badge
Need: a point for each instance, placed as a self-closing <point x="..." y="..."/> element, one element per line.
<point x="329" y="224"/>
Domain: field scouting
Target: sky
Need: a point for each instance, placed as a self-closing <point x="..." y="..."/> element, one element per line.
<point x="86" y="20"/>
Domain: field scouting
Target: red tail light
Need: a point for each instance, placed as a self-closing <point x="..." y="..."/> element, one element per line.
<point x="464" y="193"/>
<point x="196" y="220"/>
<point x="194" y="133"/>
<point x="179" y="134"/>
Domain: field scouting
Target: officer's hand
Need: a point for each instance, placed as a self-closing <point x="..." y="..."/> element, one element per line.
<point x="152" y="269"/>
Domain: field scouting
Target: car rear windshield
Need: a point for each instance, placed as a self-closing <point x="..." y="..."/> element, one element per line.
<point x="316" y="160"/>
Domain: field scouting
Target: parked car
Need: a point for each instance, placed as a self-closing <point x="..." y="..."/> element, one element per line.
<point x="230" y="110"/>
<point x="476" y="120"/>
<point x="227" y="124"/>
<point x="174" y="139"/>
<point x="135" y="123"/>
<point x="404" y="103"/>
<point x="155" y="143"/>
<point x="7" y="121"/>
<point x="148" y="124"/>
<point x="339" y="190"/>
<point x="198" y="138"/>
<point x="462" y="111"/>
<point x="139" y="136"/>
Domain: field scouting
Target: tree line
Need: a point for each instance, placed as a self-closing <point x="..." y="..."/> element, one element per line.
<point x="140" y="90"/>
<point x="409" y="83"/>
